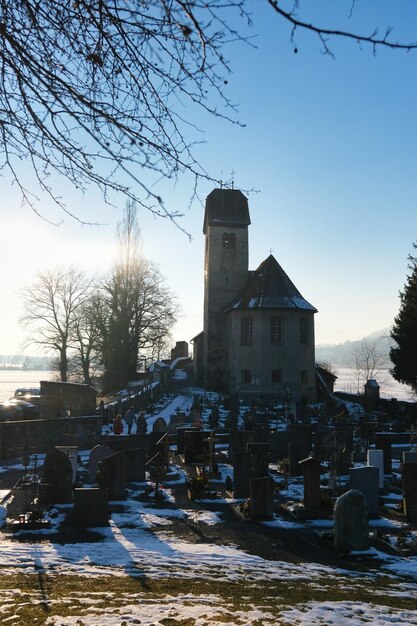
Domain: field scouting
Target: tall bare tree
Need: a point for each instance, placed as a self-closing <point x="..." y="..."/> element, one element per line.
<point x="139" y="308"/>
<point x="51" y="306"/>
<point x="96" y="91"/>
<point x="86" y="337"/>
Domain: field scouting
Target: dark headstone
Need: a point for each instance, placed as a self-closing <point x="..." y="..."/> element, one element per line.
<point x="238" y="442"/>
<point x="242" y="469"/>
<point x="311" y="473"/>
<point x="410" y="490"/>
<point x="366" y="480"/>
<point x="180" y="437"/>
<point x="384" y="443"/>
<point x="262" y="498"/>
<point x="196" y="447"/>
<point x="91" y="508"/>
<point x="57" y="472"/>
<point x="159" y="425"/>
<point x="115" y="471"/>
<point x="351" y="526"/>
<point x="279" y="445"/>
<point x="135" y="464"/>
<point x="259" y="459"/>
<point x="297" y="451"/>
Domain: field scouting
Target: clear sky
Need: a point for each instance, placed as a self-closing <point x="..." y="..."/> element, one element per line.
<point x="330" y="145"/>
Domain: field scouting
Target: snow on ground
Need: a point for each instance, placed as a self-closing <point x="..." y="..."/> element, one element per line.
<point x="347" y="614"/>
<point x="203" y="610"/>
<point x="139" y="542"/>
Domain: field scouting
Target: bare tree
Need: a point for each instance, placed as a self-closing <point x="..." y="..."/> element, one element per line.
<point x="367" y="363"/>
<point x="86" y="338"/>
<point x="96" y="91"/>
<point x="139" y="308"/>
<point x="51" y="305"/>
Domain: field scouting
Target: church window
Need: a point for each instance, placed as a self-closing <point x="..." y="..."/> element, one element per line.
<point x="304" y="377"/>
<point x="246" y="331"/>
<point x="245" y="377"/>
<point x="229" y="241"/>
<point x="277" y="330"/>
<point x="304" y="330"/>
<point x="276" y="377"/>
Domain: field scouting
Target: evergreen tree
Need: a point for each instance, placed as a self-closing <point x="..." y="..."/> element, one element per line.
<point x="404" y="331"/>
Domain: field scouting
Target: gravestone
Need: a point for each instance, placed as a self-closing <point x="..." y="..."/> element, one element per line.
<point x="196" y="447"/>
<point x="180" y="437"/>
<point x="366" y="480"/>
<point x="97" y="454"/>
<point x="311" y="472"/>
<point x="382" y="442"/>
<point x="91" y="508"/>
<point x="376" y="459"/>
<point x="57" y="473"/>
<point x="242" y="468"/>
<point x="297" y="451"/>
<point x="321" y="432"/>
<point x="135" y="464"/>
<point x="279" y="445"/>
<point x="261" y="496"/>
<point x="160" y="425"/>
<point x="72" y="454"/>
<point x="410" y="456"/>
<point x="259" y="459"/>
<point x="409" y="479"/>
<point x="238" y="442"/>
<point x="114" y="468"/>
<point x="351" y="525"/>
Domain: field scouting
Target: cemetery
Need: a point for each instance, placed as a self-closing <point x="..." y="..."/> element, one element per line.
<point x="226" y="479"/>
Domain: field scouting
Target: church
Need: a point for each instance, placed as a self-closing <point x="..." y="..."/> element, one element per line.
<point x="258" y="336"/>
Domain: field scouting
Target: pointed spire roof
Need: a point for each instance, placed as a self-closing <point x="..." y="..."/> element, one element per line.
<point x="269" y="287"/>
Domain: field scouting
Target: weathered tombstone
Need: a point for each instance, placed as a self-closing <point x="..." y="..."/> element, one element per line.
<point x="261" y="496"/>
<point x="311" y="472"/>
<point x="91" y="508"/>
<point x="366" y="480"/>
<point x="159" y="425"/>
<point x="410" y="456"/>
<point x="135" y="464"/>
<point x="409" y="479"/>
<point x="259" y="459"/>
<point x="279" y="445"/>
<point x="351" y="525"/>
<point x="72" y="454"/>
<point x="238" y="442"/>
<point x="297" y="451"/>
<point x="97" y="454"/>
<point x="57" y="473"/>
<point x="196" y="446"/>
<point x="376" y="459"/>
<point x="115" y="469"/>
<point x="382" y="442"/>
<point x="242" y="467"/>
<point x="321" y="451"/>
<point x="180" y="437"/>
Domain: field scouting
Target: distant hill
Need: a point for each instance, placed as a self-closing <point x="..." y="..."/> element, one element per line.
<point x="342" y="354"/>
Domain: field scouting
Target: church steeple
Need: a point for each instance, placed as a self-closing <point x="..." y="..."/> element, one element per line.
<point x="226" y="222"/>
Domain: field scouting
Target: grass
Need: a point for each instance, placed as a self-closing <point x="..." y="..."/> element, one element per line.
<point x="29" y="600"/>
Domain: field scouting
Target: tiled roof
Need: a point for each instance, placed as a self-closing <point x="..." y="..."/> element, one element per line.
<point x="270" y="288"/>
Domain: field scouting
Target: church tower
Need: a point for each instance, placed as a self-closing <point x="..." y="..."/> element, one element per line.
<point x="226" y="222"/>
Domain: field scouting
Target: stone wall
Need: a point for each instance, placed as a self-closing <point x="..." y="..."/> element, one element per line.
<point x="36" y="436"/>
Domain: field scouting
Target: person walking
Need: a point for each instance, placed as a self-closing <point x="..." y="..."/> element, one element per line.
<point x="130" y="418"/>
